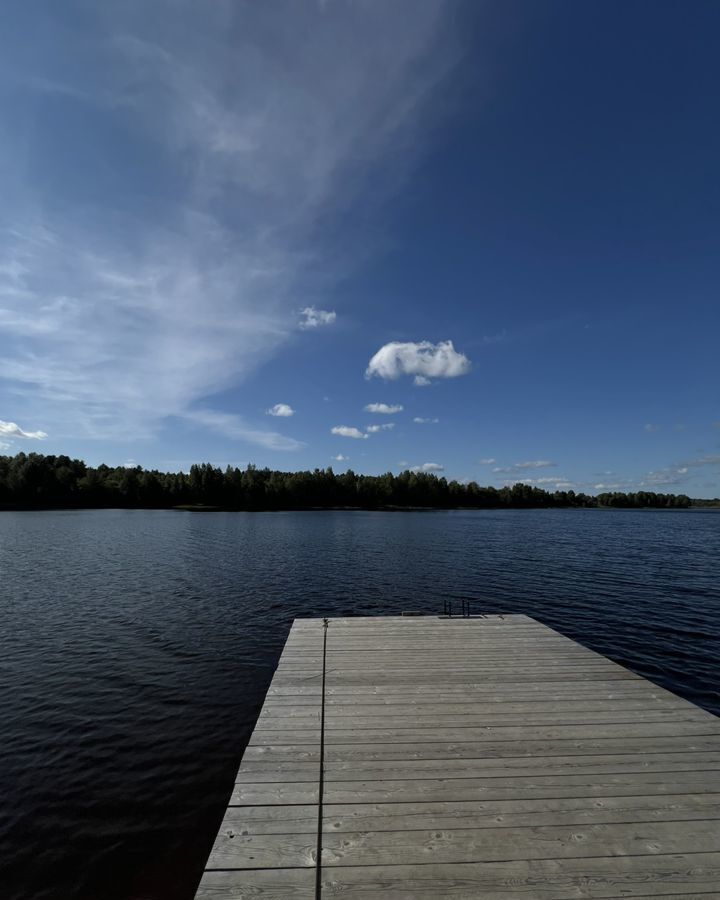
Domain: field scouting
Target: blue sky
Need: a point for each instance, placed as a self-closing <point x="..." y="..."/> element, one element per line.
<point x="501" y="219"/>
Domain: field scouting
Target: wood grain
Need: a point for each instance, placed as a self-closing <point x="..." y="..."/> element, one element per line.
<point x="464" y="758"/>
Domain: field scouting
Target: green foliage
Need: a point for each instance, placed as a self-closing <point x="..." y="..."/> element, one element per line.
<point x="36" y="481"/>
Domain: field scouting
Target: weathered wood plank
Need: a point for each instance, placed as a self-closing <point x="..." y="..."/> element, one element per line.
<point x="499" y="813"/>
<point x="464" y="845"/>
<point x="474" y="757"/>
<point x="339" y="818"/>
<point x="491" y="767"/>
<point x="487" y="733"/>
<point x="469" y="707"/>
<point x="363" y="678"/>
<point x="259" y="884"/>
<point x="561" y="716"/>
<point x="485" y="788"/>
<point x="549" y="879"/>
<point x="695" y="875"/>
<point x="488" y="788"/>
<point x="647" y="746"/>
<point x="489" y="687"/>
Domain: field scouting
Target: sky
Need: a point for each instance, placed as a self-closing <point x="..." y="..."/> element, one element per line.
<point x="473" y="238"/>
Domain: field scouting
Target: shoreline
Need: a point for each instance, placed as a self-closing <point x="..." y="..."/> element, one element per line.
<point x="204" y="508"/>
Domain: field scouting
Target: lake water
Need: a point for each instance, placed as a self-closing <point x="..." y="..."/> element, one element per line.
<point x="137" y="647"/>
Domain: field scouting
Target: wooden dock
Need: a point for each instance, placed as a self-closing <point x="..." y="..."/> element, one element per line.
<point x="486" y="757"/>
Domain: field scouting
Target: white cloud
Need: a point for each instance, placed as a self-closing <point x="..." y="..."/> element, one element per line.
<point x="524" y="466"/>
<point x="373" y="429"/>
<point x="12" y="430"/>
<point x="314" y="318"/>
<point x="709" y="460"/>
<point x="340" y="458"/>
<point x="557" y="482"/>
<point x="280" y="409"/>
<point x="4" y="445"/>
<point x="421" y="421"/>
<point x="384" y="408"/>
<point x="535" y="464"/>
<point x="234" y="427"/>
<point x="650" y="427"/>
<point x="487" y="461"/>
<point x="664" y="477"/>
<point x="423" y="359"/>
<point x="421" y="381"/>
<point x="147" y="297"/>
<point x="428" y="467"/>
<point x="348" y="431"/>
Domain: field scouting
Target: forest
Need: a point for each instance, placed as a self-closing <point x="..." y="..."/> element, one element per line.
<point x="35" y="481"/>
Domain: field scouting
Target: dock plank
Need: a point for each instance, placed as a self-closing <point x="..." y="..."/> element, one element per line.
<point x="486" y="757"/>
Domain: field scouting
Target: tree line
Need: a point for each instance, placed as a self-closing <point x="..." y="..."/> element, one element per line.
<point x="36" y="481"/>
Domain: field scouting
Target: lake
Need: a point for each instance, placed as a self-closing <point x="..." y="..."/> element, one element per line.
<point x="137" y="647"/>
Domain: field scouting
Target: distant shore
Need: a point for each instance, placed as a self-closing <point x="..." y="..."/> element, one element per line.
<point x="34" y="481"/>
<point x="206" y="508"/>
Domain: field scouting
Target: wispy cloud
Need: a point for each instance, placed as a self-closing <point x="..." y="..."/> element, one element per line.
<point x="234" y="427"/>
<point x="650" y="427"/>
<point x="620" y="485"/>
<point x="524" y="466"/>
<point x="348" y="431"/>
<point x="486" y="461"/>
<point x="428" y="468"/>
<point x="314" y="318"/>
<point x="109" y="348"/>
<point x="419" y="420"/>
<point x="708" y="460"/>
<point x="174" y="279"/>
<point x="660" y="477"/>
<point x="373" y="429"/>
<point x="384" y="408"/>
<point x="424" y="360"/>
<point x="280" y="409"/>
<point x="535" y="464"/>
<point x="12" y="430"/>
<point x="545" y="483"/>
<point x="340" y="458"/>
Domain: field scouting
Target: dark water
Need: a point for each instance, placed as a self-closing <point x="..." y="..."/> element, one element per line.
<point x="137" y="646"/>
